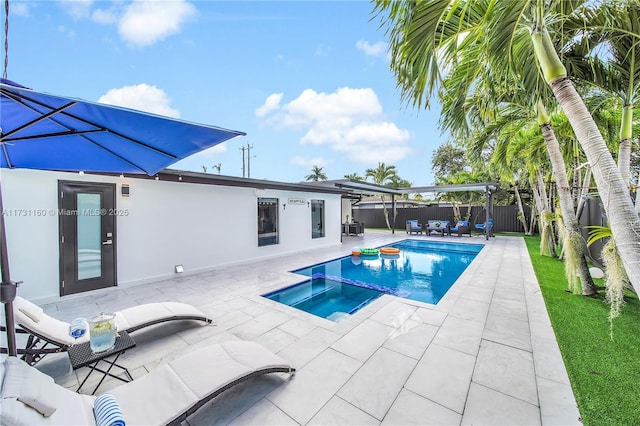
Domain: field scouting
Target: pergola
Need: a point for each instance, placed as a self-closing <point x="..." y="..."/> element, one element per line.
<point x="359" y="188"/>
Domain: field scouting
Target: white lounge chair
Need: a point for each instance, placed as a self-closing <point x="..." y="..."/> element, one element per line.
<point x="49" y="335"/>
<point x="167" y="395"/>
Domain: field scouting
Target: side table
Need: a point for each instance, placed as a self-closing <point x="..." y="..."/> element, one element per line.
<point x="82" y="356"/>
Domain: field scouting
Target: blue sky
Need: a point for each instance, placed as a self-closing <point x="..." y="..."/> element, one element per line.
<point x="309" y="82"/>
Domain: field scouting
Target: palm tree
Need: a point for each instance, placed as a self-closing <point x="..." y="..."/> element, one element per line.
<point x="426" y="37"/>
<point x="218" y="167"/>
<point x="353" y="176"/>
<point x="499" y="107"/>
<point x="316" y="174"/>
<point x="382" y="175"/>
<point x="615" y="28"/>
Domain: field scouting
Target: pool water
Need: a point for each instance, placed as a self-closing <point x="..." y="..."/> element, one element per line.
<point x="423" y="271"/>
<point x="325" y="298"/>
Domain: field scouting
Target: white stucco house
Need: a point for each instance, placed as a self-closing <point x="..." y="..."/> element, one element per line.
<point x="69" y="233"/>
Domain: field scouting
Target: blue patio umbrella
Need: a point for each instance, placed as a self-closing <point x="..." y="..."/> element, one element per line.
<point x="50" y="132"/>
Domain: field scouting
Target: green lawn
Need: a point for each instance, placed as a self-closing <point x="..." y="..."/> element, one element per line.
<point x="604" y="373"/>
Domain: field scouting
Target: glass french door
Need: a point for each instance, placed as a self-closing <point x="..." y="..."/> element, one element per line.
<point x="87" y="236"/>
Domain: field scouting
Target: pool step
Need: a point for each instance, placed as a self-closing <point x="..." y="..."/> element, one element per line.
<point x="370" y="286"/>
<point x="315" y="294"/>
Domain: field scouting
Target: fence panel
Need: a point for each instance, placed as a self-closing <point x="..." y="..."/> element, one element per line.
<point x="505" y="218"/>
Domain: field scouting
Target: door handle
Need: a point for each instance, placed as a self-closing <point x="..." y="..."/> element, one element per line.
<point x="107" y="243"/>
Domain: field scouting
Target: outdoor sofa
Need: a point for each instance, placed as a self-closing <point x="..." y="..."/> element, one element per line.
<point x="440" y="227"/>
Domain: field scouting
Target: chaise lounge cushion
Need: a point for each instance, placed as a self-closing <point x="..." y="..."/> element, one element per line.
<point x="129" y="319"/>
<point x="167" y="394"/>
<point x="191" y="378"/>
<point x="29" y="386"/>
<point x="134" y="317"/>
<point x="71" y="408"/>
<point x="48" y="327"/>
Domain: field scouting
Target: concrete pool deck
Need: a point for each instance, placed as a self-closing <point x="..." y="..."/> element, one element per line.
<point x="485" y="354"/>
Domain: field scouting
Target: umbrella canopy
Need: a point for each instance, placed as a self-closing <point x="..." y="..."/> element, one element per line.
<point x="50" y="132"/>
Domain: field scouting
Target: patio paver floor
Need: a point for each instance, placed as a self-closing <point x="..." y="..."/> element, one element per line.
<point x="485" y="354"/>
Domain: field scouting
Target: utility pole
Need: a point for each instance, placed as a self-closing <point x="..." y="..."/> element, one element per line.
<point x="242" y="149"/>
<point x="249" y="159"/>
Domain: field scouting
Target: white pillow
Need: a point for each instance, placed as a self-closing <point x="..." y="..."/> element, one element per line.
<point x="33" y="311"/>
<point x="29" y="386"/>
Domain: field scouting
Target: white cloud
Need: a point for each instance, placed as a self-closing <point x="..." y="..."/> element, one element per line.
<point x="20" y="9"/>
<point x="322" y="50"/>
<point x="142" y="97"/>
<point x="348" y="120"/>
<point x="67" y="31"/>
<point x="145" y="22"/>
<point x="308" y="162"/>
<point x="105" y="16"/>
<point x="271" y="104"/>
<point x="77" y="9"/>
<point x="376" y="49"/>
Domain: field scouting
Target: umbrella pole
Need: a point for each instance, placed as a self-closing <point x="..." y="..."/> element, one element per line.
<point x="7" y="287"/>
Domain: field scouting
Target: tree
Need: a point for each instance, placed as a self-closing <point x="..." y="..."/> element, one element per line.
<point x="218" y="167"/>
<point x="353" y="176"/>
<point x="426" y="37"/>
<point x="204" y="168"/>
<point x="382" y="175"/>
<point x="316" y="174"/>
<point x="612" y="31"/>
<point x="447" y="160"/>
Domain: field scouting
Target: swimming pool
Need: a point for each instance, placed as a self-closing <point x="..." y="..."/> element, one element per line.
<point x="423" y="271"/>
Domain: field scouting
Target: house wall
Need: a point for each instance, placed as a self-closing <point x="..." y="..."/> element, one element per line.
<point x="167" y="223"/>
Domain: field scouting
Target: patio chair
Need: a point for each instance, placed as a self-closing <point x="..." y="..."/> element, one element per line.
<point x="482" y="227"/>
<point x="49" y="335"/>
<point x="413" y="226"/>
<point x="462" y="227"/>
<point x="167" y="395"/>
<point x="440" y="227"/>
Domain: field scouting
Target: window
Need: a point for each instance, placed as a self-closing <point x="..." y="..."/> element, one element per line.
<point x="317" y="218"/>
<point x="267" y="221"/>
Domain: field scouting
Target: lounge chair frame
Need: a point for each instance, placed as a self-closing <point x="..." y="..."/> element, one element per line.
<point x="291" y="371"/>
<point x="32" y="352"/>
<point x="161" y="382"/>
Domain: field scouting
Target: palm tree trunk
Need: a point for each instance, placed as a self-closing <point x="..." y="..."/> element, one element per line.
<point x="575" y="246"/>
<point x="638" y="196"/>
<point x="384" y="211"/>
<point x="623" y="220"/>
<point x="522" y="217"/>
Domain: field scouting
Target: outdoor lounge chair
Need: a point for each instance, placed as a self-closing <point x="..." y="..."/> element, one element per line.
<point x="438" y="226"/>
<point x="167" y="395"/>
<point x="462" y="227"/>
<point x="413" y="226"/>
<point x="49" y="335"/>
<point x="482" y="227"/>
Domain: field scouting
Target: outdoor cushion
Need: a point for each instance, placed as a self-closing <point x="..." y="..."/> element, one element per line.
<point x="29" y="387"/>
<point x="31" y="310"/>
<point x="131" y="319"/>
<point x="71" y="408"/>
<point x="167" y="394"/>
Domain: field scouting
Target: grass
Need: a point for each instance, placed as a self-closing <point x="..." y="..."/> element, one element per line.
<point x="603" y="371"/>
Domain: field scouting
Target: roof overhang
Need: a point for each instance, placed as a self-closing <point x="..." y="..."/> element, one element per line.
<point x="359" y="187"/>
<point x="477" y="187"/>
<point x="356" y="187"/>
